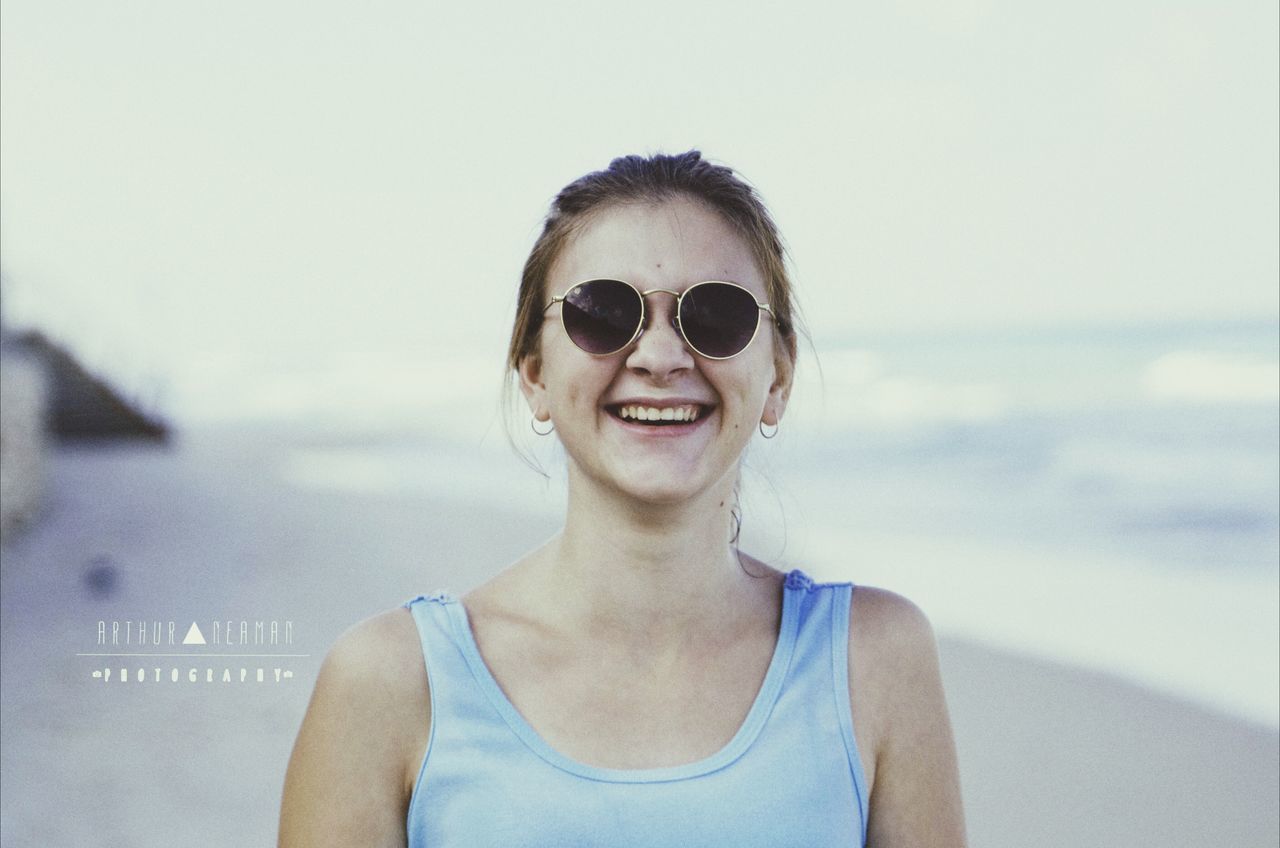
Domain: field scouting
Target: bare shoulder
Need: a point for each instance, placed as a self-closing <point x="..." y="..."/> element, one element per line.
<point x="378" y="663"/>
<point x="893" y="662"/>
<point x="885" y="626"/>
<point x="353" y="762"/>
<point x="375" y="670"/>
<point x="890" y="642"/>
<point x="383" y="649"/>
<point x="900" y="711"/>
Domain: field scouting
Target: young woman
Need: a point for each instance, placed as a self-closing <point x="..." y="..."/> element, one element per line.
<point x="639" y="680"/>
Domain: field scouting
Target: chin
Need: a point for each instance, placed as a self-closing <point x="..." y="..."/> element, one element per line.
<point x="661" y="495"/>
<point x="666" y="486"/>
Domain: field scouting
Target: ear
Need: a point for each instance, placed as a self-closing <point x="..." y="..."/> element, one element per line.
<point x="532" y="387"/>
<point x="784" y="369"/>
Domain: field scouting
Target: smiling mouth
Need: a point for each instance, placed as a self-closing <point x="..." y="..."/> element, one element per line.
<point x="658" y="416"/>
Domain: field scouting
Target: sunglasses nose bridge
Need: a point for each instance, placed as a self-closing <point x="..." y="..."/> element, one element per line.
<point x="648" y="315"/>
<point x="645" y="317"/>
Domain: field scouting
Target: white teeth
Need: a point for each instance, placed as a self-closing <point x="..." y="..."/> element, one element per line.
<point x="652" y="413"/>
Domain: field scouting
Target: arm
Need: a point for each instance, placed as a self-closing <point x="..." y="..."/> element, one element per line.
<point x="354" y="761"/>
<point x="899" y="707"/>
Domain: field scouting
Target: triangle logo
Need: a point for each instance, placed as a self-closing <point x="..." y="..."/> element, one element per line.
<point x="194" y="636"/>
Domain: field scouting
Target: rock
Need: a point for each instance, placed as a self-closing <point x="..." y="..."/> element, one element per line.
<point x="81" y="405"/>
<point x="23" y="402"/>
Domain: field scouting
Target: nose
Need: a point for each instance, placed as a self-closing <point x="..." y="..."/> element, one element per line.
<point x="660" y="350"/>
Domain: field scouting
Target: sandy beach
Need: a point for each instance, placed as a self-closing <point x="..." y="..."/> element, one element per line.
<point x="208" y="530"/>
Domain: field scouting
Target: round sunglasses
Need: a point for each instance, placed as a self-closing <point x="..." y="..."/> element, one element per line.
<point x="717" y="320"/>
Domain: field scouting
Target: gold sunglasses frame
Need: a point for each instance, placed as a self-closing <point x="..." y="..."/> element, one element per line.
<point x="679" y="296"/>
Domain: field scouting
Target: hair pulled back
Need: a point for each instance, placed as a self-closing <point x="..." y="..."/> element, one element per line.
<point x="654" y="179"/>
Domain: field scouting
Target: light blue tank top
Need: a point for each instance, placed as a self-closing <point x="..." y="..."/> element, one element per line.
<point x="791" y="776"/>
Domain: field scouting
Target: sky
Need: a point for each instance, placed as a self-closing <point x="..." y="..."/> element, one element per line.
<point x="191" y="192"/>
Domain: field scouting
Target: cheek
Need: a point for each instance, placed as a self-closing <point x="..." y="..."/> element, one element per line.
<point x="573" y="395"/>
<point x="764" y="370"/>
<point x="575" y="389"/>
<point x="744" y="393"/>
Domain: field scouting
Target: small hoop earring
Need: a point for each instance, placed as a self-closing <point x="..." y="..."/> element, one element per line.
<point x="768" y="434"/>
<point x="533" y="425"/>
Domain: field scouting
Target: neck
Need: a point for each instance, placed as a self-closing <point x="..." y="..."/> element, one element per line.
<point x="648" y="572"/>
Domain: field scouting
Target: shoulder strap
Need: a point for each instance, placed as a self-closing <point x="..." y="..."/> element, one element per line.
<point x="841" y="604"/>
<point x="455" y="696"/>
<point x="820" y="669"/>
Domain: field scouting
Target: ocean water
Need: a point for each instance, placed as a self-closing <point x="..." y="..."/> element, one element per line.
<point x="1164" y="445"/>
<point x="1103" y="496"/>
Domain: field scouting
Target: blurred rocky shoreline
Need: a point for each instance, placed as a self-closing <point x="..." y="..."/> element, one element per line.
<point x="47" y="396"/>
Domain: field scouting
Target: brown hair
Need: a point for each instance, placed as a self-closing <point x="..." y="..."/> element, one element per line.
<point x="653" y="179"/>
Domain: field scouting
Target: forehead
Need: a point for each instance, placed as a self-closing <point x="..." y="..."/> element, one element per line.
<point x="672" y="244"/>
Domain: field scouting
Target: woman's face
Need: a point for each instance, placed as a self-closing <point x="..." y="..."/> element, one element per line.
<point x="670" y="245"/>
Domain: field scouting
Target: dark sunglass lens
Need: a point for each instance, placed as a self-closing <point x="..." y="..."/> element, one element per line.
<point x="719" y="320"/>
<point x="601" y="316"/>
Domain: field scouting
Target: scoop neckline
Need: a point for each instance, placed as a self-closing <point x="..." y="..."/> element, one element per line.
<point x="794" y="584"/>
